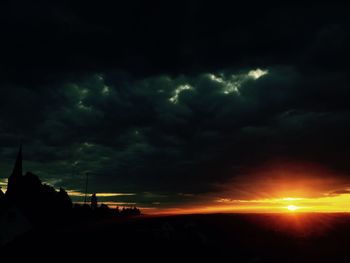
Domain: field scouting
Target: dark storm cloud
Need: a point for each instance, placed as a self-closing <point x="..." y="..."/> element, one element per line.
<point x="167" y="98"/>
<point x="185" y="134"/>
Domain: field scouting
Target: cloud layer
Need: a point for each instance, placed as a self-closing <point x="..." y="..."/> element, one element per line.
<point x="173" y="101"/>
<point x="184" y="134"/>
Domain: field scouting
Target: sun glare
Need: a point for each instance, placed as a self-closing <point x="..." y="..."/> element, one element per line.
<point x="292" y="207"/>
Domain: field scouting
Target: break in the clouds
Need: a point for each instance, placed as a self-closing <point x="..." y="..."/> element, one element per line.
<point x="165" y="103"/>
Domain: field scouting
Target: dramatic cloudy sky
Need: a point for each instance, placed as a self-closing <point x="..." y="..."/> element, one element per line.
<point x="171" y="103"/>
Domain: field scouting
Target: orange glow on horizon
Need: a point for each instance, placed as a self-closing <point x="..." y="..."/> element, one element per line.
<point x="275" y="188"/>
<point x="292" y="207"/>
<point x="323" y="204"/>
<point x="279" y="188"/>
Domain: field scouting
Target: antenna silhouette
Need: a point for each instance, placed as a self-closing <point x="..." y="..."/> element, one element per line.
<point x="86" y="187"/>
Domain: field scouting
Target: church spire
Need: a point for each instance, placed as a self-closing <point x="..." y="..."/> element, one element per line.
<point x="17" y="169"/>
<point x="16" y="176"/>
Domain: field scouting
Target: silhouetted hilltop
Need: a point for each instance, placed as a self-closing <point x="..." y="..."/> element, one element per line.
<point x="40" y="203"/>
<point x="43" y="204"/>
<point x="29" y="203"/>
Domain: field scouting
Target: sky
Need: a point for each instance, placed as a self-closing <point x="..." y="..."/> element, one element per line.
<point x="178" y="106"/>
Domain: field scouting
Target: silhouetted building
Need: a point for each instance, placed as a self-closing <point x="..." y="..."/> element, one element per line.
<point x="13" y="223"/>
<point x="94" y="204"/>
<point x="39" y="202"/>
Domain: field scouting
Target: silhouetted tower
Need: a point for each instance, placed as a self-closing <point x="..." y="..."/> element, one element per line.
<point x="17" y="173"/>
<point x="2" y="195"/>
<point x="93" y="201"/>
<point x="2" y="199"/>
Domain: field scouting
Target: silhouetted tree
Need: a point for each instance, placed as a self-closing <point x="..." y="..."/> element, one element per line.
<point x="130" y="211"/>
<point x="63" y="199"/>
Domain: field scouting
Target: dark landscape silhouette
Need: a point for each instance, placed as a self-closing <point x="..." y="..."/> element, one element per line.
<point x="29" y="204"/>
<point x="36" y="220"/>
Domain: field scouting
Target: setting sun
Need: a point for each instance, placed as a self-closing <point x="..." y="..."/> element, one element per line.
<point x="292" y="207"/>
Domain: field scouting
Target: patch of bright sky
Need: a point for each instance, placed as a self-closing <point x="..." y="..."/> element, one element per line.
<point x="230" y="84"/>
<point x="326" y="203"/>
<point x="174" y="98"/>
<point x="233" y="83"/>
<point x="80" y="194"/>
<point x="257" y="73"/>
<point x="3" y="184"/>
<point x="113" y="205"/>
<point x="105" y="90"/>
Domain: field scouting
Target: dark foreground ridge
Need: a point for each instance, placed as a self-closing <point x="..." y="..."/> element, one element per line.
<point x="196" y="238"/>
